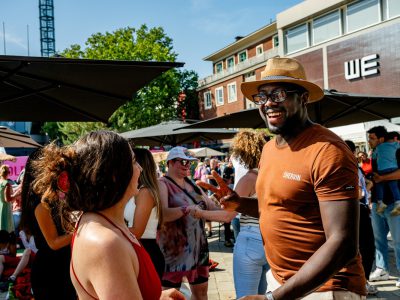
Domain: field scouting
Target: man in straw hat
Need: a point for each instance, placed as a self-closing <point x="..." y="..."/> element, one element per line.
<point x="307" y="193"/>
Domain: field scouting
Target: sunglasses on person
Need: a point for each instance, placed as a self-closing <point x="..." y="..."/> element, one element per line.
<point x="183" y="162"/>
<point x="276" y="96"/>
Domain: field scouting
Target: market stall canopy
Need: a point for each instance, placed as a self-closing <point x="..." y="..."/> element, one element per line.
<point x="63" y="89"/>
<point x="165" y="133"/>
<point x="335" y="109"/>
<point x="205" y="152"/>
<point x="13" y="139"/>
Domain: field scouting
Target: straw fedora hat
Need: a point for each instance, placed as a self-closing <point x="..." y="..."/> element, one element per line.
<point x="282" y="70"/>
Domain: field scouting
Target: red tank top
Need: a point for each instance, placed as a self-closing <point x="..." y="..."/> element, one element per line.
<point x="148" y="280"/>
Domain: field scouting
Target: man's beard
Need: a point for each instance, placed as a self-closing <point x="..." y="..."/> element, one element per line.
<point x="288" y="126"/>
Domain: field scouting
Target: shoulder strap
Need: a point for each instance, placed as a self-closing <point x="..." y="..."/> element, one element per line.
<point x="182" y="189"/>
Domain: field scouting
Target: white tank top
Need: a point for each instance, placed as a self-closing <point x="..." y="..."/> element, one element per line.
<point x="151" y="229"/>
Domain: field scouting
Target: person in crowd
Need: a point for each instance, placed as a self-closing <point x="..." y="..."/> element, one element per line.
<point x="50" y="269"/>
<point x="12" y="265"/>
<point x="182" y="236"/>
<point x="365" y="163"/>
<point x="386" y="162"/>
<point x="229" y="173"/>
<point x="366" y="235"/>
<point x="205" y="171"/>
<point x="147" y="209"/>
<point x="227" y="226"/>
<point x="249" y="262"/>
<point x="307" y="193"/>
<point x="385" y="222"/>
<point x="90" y="177"/>
<point x="6" y="199"/>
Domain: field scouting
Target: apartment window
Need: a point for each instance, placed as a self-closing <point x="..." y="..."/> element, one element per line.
<point x="326" y="27"/>
<point x="242" y="56"/>
<point x="207" y="100"/>
<point x="219" y="96"/>
<point x="296" y="38"/>
<point x="362" y="14"/>
<point x="232" y="95"/>
<point x="275" y="41"/>
<point x="230" y="63"/>
<point x="218" y="67"/>
<point x="393" y="8"/>
<point x="259" y="49"/>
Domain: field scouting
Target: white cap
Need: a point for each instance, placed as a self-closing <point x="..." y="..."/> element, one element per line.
<point x="179" y="152"/>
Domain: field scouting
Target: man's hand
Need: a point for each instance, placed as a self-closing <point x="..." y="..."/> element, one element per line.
<point x="253" y="297"/>
<point x="377" y="178"/>
<point x="230" y="203"/>
<point x="219" y="192"/>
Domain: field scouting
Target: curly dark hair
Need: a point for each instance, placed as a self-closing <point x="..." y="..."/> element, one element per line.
<point x="99" y="167"/>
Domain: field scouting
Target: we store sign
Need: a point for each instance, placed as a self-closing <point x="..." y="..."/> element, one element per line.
<point x="361" y="67"/>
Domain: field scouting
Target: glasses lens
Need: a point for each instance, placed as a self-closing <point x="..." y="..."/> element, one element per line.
<point x="278" y="96"/>
<point x="259" y="99"/>
<point x="184" y="162"/>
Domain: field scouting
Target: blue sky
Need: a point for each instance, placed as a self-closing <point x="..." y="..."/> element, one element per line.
<point x="197" y="27"/>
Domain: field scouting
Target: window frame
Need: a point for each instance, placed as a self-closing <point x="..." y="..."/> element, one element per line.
<point x="260" y="46"/>
<point x="307" y="35"/>
<point x="330" y="38"/>
<point x="229" y="94"/>
<point x="276" y="36"/>
<point x="206" y="107"/>
<point x="222" y="67"/>
<point x="217" y="103"/>
<point x="247" y="57"/>
<point x="388" y="17"/>
<point x="360" y="28"/>
<point x="226" y="61"/>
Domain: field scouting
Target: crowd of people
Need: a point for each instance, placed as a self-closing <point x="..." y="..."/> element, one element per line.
<point x="310" y="213"/>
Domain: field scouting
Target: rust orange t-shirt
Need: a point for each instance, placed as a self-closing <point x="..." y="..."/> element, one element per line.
<point x="316" y="166"/>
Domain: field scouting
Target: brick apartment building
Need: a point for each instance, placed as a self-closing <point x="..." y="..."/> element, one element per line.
<point x="349" y="46"/>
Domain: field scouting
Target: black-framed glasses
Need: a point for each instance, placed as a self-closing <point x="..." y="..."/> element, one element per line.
<point x="277" y="96"/>
<point x="183" y="162"/>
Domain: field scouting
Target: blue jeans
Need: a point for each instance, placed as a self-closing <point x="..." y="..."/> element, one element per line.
<point x="17" y="220"/>
<point x="236" y="226"/>
<point x="382" y="224"/>
<point x="249" y="263"/>
<point x="380" y="187"/>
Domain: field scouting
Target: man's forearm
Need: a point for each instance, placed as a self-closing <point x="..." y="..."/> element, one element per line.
<point x="248" y="206"/>
<point x="391" y="176"/>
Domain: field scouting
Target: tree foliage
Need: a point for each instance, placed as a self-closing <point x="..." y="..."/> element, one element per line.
<point x="151" y="105"/>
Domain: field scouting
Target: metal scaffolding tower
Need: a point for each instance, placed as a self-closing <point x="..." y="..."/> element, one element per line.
<point x="47" y="35"/>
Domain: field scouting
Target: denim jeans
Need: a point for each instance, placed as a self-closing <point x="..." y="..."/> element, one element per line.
<point x="17" y="220"/>
<point x="382" y="224"/>
<point x="393" y="185"/>
<point x="249" y="263"/>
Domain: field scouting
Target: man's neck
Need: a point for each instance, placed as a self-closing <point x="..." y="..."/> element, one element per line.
<point x="286" y="138"/>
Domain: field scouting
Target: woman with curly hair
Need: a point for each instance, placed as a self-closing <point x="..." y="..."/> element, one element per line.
<point x="144" y="212"/>
<point x="249" y="262"/>
<point x="50" y="269"/>
<point x="92" y="176"/>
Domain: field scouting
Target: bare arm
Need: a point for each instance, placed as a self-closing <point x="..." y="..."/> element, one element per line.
<point x="170" y="214"/>
<point x="340" y="220"/>
<point x="49" y="230"/>
<point x="390" y="176"/>
<point x="229" y="199"/>
<point x="8" y="193"/>
<point x="144" y="204"/>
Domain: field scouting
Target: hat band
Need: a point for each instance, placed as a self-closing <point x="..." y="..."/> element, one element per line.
<point x="280" y="77"/>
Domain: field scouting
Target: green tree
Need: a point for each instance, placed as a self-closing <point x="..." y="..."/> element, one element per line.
<point x="154" y="103"/>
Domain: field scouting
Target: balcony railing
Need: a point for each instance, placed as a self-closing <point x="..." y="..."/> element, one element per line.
<point x="239" y="67"/>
